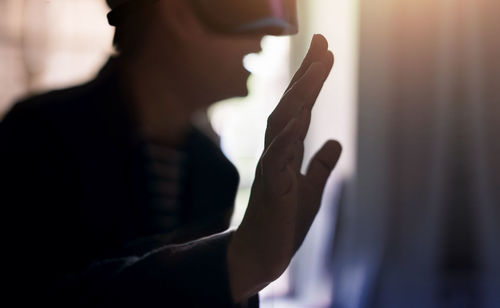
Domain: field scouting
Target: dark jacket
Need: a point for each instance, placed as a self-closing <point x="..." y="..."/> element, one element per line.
<point x="75" y="228"/>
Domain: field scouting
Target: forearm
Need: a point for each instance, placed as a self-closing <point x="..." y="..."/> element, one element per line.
<point x="244" y="280"/>
<point x="187" y="275"/>
<point x="247" y="276"/>
<point x="192" y="274"/>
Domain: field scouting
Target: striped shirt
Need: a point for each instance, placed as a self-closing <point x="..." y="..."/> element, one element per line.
<point x="166" y="180"/>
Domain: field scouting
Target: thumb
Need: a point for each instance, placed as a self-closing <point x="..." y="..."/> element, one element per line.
<point x="321" y="166"/>
<point x="313" y="183"/>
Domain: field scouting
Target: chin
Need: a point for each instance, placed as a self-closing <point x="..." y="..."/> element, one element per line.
<point x="239" y="89"/>
<point x="233" y="94"/>
<point x="229" y="93"/>
<point x="235" y="87"/>
<point x="243" y="85"/>
<point x="243" y="92"/>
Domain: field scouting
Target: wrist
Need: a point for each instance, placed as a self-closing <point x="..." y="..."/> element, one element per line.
<point x="246" y="277"/>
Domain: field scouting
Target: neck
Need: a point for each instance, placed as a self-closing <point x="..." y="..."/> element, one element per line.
<point x="162" y="113"/>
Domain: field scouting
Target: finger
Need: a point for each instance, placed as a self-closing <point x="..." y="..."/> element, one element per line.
<point x="293" y="101"/>
<point x="296" y="160"/>
<point x="312" y="186"/>
<point x="278" y="153"/>
<point x="320" y="168"/>
<point x="316" y="52"/>
<point x="306" y="110"/>
<point x="326" y="63"/>
<point x="291" y="183"/>
<point x="285" y="184"/>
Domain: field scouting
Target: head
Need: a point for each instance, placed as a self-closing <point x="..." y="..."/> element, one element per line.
<point x="203" y="65"/>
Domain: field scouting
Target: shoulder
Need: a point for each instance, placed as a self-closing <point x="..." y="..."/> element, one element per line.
<point x="48" y="108"/>
<point x="65" y="113"/>
<point x="48" y="128"/>
<point x="38" y="127"/>
<point x="67" y="106"/>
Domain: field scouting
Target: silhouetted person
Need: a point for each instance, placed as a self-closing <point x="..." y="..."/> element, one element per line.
<point x="110" y="197"/>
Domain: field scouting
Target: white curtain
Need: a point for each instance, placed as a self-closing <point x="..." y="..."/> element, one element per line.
<point x="334" y="117"/>
<point x="422" y="225"/>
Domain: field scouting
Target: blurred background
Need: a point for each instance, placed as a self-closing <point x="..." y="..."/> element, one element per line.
<point x="411" y="214"/>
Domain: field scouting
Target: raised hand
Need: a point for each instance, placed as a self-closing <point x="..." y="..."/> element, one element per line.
<point x="283" y="202"/>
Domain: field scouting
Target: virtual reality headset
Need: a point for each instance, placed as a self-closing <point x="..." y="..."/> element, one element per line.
<point x="237" y="17"/>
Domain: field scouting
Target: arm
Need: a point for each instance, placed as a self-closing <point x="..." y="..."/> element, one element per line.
<point x="45" y="252"/>
<point x="282" y="207"/>
<point x="182" y="275"/>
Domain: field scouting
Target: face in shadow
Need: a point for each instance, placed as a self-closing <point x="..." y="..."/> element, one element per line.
<point x="204" y="65"/>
